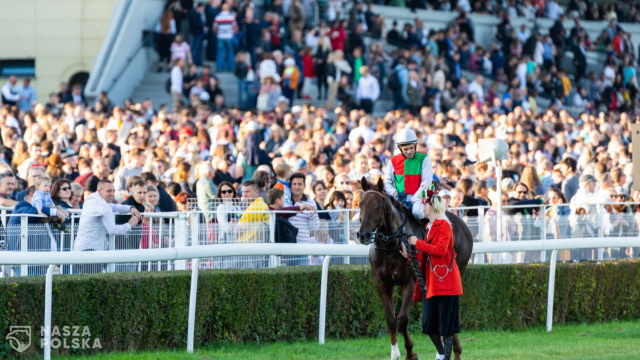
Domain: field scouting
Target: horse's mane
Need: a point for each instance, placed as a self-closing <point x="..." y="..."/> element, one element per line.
<point x="405" y="211"/>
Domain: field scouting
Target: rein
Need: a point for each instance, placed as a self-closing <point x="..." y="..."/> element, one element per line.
<point x="386" y="239"/>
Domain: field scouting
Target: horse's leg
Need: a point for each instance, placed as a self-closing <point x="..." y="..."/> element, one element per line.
<point x="403" y="319"/>
<point x="386" y="295"/>
<point x="457" y="348"/>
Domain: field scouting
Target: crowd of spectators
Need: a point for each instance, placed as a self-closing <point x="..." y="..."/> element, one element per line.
<point x="159" y="157"/>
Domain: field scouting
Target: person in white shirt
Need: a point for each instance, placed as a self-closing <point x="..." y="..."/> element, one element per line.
<point x="305" y="222"/>
<point x="27" y="95"/>
<point x="554" y="10"/>
<point x="177" y="78"/>
<point x="363" y="131"/>
<point x="98" y="221"/>
<point x="538" y="52"/>
<point x="368" y="90"/>
<point x="476" y="87"/>
<point x="9" y="94"/>
<point x="464" y="5"/>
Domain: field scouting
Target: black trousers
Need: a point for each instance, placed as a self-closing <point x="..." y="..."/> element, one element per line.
<point x="366" y="105"/>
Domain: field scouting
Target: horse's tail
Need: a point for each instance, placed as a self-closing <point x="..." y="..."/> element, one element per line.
<point x="462" y="240"/>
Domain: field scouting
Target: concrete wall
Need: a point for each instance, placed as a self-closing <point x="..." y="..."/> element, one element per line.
<point x="63" y="36"/>
<point x="122" y="62"/>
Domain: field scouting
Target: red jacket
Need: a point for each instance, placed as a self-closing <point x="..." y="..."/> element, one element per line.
<point x="440" y="246"/>
<point x="337" y="38"/>
<point x="308" y="70"/>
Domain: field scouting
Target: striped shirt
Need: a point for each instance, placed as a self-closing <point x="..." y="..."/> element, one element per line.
<point x="225" y="21"/>
<point x="305" y="222"/>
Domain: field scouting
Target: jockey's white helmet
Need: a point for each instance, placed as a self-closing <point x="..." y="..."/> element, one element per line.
<point x="405" y="136"/>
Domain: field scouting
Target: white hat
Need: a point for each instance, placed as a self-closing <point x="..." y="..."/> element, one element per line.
<point x="289" y="62"/>
<point x="405" y="136"/>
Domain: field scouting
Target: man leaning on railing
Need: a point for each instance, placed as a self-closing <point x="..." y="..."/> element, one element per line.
<point x="98" y="220"/>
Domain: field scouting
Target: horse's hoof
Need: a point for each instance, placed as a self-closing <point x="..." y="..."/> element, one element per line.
<point x="456" y="356"/>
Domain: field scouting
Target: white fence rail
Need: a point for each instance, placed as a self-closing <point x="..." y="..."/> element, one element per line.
<point x="180" y="229"/>
<point x="198" y="252"/>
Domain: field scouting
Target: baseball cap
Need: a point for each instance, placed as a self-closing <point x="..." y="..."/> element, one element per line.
<point x="300" y="164"/>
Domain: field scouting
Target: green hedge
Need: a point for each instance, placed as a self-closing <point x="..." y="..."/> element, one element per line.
<point x="149" y="310"/>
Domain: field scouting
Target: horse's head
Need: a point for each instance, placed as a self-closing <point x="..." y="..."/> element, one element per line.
<point x="375" y="210"/>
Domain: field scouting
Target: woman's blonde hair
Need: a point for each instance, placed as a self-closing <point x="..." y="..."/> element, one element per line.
<point x="438" y="207"/>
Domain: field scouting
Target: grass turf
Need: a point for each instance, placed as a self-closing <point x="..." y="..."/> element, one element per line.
<point x="614" y="340"/>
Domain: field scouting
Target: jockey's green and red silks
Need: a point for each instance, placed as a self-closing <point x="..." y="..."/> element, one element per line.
<point x="408" y="172"/>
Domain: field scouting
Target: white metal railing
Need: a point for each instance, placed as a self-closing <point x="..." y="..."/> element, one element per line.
<point x="177" y="229"/>
<point x="197" y="252"/>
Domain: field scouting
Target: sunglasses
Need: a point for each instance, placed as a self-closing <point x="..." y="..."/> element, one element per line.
<point x="226" y="192"/>
<point x="65" y="188"/>
<point x="522" y="192"/>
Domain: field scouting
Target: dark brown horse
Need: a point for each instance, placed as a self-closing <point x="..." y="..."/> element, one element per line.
<point x="382" y="220"/>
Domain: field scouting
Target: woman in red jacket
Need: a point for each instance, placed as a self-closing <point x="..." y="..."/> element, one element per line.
<point x="439" y="268"/>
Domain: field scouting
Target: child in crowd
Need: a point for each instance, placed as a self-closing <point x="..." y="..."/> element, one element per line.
<point x="283" y="171"/>
<point x="42" y="197"/>
<point x="276" y="202"/>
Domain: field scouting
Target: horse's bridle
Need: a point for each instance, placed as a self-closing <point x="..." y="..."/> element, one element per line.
<point x="386" y="239"/>
<point x="377" y="233"/>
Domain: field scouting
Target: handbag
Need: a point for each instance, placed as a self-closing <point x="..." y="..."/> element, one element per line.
<point x="285" y="231"/>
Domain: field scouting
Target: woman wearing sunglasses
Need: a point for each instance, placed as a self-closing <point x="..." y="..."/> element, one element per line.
<point x="61" y="193"/>
<point x="62" y="196"/>
<point x="227" y="211"/>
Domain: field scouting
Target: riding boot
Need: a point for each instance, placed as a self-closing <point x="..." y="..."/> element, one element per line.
<point x="448" y="347"/>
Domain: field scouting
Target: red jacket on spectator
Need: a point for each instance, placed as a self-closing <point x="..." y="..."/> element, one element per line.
<point x="338" y="37"/>
<point x="617" y="44"/>
<point x="440" y="246"/>
<point x="308" y="70"/>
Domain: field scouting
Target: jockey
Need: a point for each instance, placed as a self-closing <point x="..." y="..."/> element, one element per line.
<point x="409" y="173"/>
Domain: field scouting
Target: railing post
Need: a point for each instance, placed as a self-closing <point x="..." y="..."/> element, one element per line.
<point x="273" y="259"/>
<point x="551" y="290"/>
<point x="195" y="228"/>
<point x="181" y="233"/>
<point x="195" y="264"/>
<point x="543" y="231"/>
<point x="479" y="258"/>
<point x="323" y="299"/>
<point x="601" y="215"/>
<point x="347" y="232"/>
<point x="24" y="242"/>
<point x="48" y="295"/>
<point x="112" y="246"/>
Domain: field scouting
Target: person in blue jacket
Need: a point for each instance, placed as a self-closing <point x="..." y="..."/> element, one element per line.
<point x="37" y="241"/>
